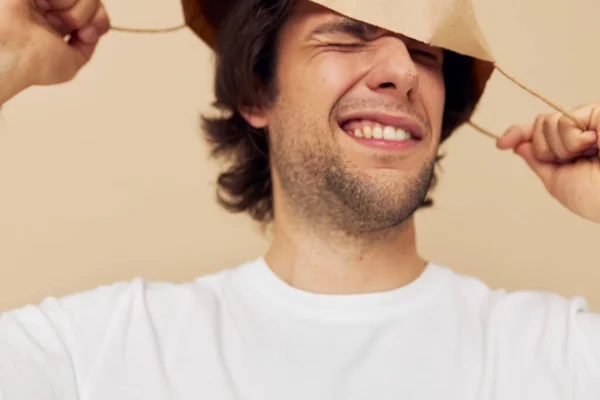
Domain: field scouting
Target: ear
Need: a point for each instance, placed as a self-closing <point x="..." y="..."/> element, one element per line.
<point x="256" y="118"/>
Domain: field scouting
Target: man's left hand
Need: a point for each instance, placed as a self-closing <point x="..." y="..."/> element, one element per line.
<point x="564" y="156"/>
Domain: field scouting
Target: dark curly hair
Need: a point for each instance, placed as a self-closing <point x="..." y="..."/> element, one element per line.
<point x="245" y="71"/>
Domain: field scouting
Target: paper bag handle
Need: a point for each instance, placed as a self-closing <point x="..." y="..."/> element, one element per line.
<point x="555" y="106"/>
<point x="141" y="30"/>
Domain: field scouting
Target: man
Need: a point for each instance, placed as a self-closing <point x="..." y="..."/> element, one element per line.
<point x="334" y="140"/>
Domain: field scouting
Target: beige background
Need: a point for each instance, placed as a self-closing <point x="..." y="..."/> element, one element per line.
<point x="108" y="178"/>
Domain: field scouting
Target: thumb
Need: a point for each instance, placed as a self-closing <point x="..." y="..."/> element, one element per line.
<point x="85" y="40"/>
<point x="543" y="170"/>
<point x="514" y="136"/>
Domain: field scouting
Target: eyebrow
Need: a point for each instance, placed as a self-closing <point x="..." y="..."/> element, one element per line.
<point x="355" y="28"/>
<point x="345" y="26"/>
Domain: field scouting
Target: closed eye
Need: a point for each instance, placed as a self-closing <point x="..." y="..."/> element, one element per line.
<point x="430" y="56"/>
<point x="346" y="45"/>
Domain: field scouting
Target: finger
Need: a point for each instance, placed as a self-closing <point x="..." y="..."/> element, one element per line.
<point x="588" y="115"/>
<point x="43" y="5"/>
<point x="101" y="21"/>
<point x="77" y="16"/>
<point x="82" y="49"/>
<point x="59" y="25"/>
<point x="514" y="136"/>
<point x="541" y="147"/>
<point x="573" y="139"/>
<point x="552" y="137"/>
<point x="594" y="124"/>
<point x="91" y="33"/>
<point x="88" y="35"/>
<point x="543" y="170"/>
<point x="595" y="119"/>
<point x="59" y="4"/>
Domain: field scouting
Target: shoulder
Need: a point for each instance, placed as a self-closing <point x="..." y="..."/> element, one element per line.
<point x="85" y="327"/>
<point x="142" y="300"/>
<point x="97" y="330"/>
<point x="84" y="321"/>
<point x="520" y="307"/>
<point x="516" y="311"/>
<point x="121" y="298"/>
<point x="526" y="327"/>
<point x="485" y="300"/>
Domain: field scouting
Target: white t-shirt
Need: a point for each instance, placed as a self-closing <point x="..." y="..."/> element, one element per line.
<point x="245" y="334"/>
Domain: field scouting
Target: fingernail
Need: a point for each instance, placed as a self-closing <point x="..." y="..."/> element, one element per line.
<point x="54" y="21"/>
<point x="89" y="34"/>
<point x="43" y="4"/>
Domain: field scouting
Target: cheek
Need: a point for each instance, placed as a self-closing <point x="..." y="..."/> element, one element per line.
<point x="319" y="84"/>
<point x="433" y="93"/>
<point x="336" y="75"/>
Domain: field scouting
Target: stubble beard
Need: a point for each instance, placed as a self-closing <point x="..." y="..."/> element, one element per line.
<point x="326" y="193"/>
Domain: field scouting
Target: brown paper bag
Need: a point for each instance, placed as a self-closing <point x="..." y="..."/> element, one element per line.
<point x="448" y="24"/>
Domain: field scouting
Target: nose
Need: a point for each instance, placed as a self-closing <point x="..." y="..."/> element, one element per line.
<point x="393" y="70"/>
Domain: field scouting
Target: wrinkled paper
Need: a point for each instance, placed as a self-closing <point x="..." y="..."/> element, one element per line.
<point x="449" y="24"/>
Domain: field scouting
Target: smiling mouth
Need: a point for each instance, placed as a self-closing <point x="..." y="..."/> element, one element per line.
<point x="366" y="129"/>
<point x="377" y="127"/>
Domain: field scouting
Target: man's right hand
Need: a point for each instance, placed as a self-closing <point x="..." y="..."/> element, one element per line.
<point x="46" y="42"/>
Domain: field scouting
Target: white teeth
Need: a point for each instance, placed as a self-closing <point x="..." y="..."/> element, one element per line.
<point x="377" y="132"/>
<point x="389" y="133"/>
<point x="401" y="134"/>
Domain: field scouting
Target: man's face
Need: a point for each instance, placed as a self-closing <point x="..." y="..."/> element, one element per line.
<point x="356" y="123"/>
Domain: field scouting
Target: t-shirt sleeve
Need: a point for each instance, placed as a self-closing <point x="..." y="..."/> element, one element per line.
<point x="588" y="329"/>
<point x="47" y="350"/>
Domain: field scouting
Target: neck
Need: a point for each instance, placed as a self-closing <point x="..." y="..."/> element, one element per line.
<point x="334" y="263"/>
